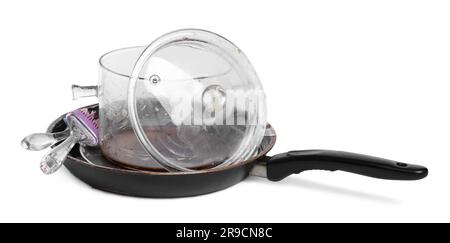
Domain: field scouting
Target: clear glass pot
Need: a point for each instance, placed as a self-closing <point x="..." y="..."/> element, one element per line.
<point x="190" y="100"/>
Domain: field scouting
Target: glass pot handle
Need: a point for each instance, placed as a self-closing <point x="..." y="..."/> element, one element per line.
<point x="84" y="91"/>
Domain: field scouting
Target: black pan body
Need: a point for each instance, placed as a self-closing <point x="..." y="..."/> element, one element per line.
<point x="157" y="184"/>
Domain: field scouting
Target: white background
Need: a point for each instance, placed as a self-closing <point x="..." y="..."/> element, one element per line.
<point x="364" y="76"/>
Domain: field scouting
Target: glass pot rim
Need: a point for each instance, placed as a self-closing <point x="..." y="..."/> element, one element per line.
<point x="140" y="49"/>
<point x="104" y="57"/>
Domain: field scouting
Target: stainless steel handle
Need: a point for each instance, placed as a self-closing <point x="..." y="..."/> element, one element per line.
<point x="54" y="159"/>
<point x="40" y="141"/>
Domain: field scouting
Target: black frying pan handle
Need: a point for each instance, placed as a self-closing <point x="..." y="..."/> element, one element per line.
<point x="294" y="162"/>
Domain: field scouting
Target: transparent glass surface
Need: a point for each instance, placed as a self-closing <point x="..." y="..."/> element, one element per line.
<point x="117" y="139"/>
<point x="194" y="101"/>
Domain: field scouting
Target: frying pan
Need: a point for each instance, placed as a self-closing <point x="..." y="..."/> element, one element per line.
<point x="105" y="175"/>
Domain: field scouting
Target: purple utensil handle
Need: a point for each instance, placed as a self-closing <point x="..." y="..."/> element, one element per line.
<point x="89" y="118"/>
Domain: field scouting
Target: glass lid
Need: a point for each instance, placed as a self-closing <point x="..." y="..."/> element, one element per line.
<point x="195" y="102"/>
